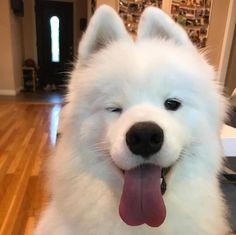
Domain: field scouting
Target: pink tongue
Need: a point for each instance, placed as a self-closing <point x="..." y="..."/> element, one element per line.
<point x="141" y="201"/>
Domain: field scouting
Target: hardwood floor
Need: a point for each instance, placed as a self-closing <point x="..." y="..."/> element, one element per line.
<point x="39" y="97"/>
<point x="27" y="136"/>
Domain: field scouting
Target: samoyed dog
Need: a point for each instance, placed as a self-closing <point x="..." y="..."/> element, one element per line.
<point x="140" y="149"/>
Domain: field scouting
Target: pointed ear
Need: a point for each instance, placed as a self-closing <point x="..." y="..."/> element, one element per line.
<point x="105" y="27"/>
<point x="155" y="23"/>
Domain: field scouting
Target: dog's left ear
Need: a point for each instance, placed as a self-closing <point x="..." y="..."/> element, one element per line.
<point x="105" y="27"/>
<point x="154" y="23"/>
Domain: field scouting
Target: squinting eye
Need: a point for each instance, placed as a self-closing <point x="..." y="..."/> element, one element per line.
<point x="172" y="104"/>
<point x="114" y="109"/>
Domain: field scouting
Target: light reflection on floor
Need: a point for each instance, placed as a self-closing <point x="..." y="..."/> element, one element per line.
<point x="39" y="97"/>
<point x="54" y="121"/>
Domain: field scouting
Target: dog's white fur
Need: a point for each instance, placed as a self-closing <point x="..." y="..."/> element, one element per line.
<point x="113" y="71"/>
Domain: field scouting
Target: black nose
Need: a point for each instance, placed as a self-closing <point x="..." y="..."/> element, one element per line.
<point x="145" y="138"/>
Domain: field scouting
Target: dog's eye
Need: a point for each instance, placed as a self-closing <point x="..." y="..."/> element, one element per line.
<point x="114" y="109"/>
<point x="172" y="104"/>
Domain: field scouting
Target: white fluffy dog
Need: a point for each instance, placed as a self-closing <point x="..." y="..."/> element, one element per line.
<point x="135" y="109"/>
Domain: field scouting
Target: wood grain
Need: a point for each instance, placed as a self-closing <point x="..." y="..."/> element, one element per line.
<point x="27" y="136"/>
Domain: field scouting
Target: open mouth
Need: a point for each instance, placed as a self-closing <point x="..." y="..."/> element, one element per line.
<point x="141" y="201"/>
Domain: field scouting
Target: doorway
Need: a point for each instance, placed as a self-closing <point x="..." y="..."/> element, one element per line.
<point x="54" y="26"/>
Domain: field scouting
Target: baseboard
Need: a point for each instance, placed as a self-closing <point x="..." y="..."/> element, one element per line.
<point x="19" y="89"/>
<point x="8" y="92"/>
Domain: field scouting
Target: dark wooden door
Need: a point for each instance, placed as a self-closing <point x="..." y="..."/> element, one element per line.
<point x="54" y="21"/>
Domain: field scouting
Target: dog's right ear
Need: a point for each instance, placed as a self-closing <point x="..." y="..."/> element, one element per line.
<point x="105" y="27"/>
<point x="155" y="23"/>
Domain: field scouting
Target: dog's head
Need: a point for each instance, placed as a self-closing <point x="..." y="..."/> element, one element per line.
<point x="142" y="104"/>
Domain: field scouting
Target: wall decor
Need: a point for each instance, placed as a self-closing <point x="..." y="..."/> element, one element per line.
<point x="131" y="10"/>
<point x="194" y="16"/>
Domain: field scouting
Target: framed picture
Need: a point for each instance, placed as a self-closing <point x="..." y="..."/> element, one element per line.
<point x="130" y="11"/>
<point x="194" y="16"/>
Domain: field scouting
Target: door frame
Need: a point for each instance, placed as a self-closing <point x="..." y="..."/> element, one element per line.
<point x="227" y="43"/>
<point x="39" y="26"/>
<point x="76" y="4"/>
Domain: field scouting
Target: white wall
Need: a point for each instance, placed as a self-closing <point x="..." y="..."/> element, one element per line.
<point x="17" y="50"/>
<point x="227" y="43"/>
<point x="112" y="3"/>
<point x="231" y="73"/>
<point x="217" y="27"/>
<point x="29" y="31"/>
<point x="11" y="50"/>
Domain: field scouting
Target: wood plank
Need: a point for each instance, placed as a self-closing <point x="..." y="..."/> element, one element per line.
<point x="24" y="147"/>
<point x="16" y="196"/>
